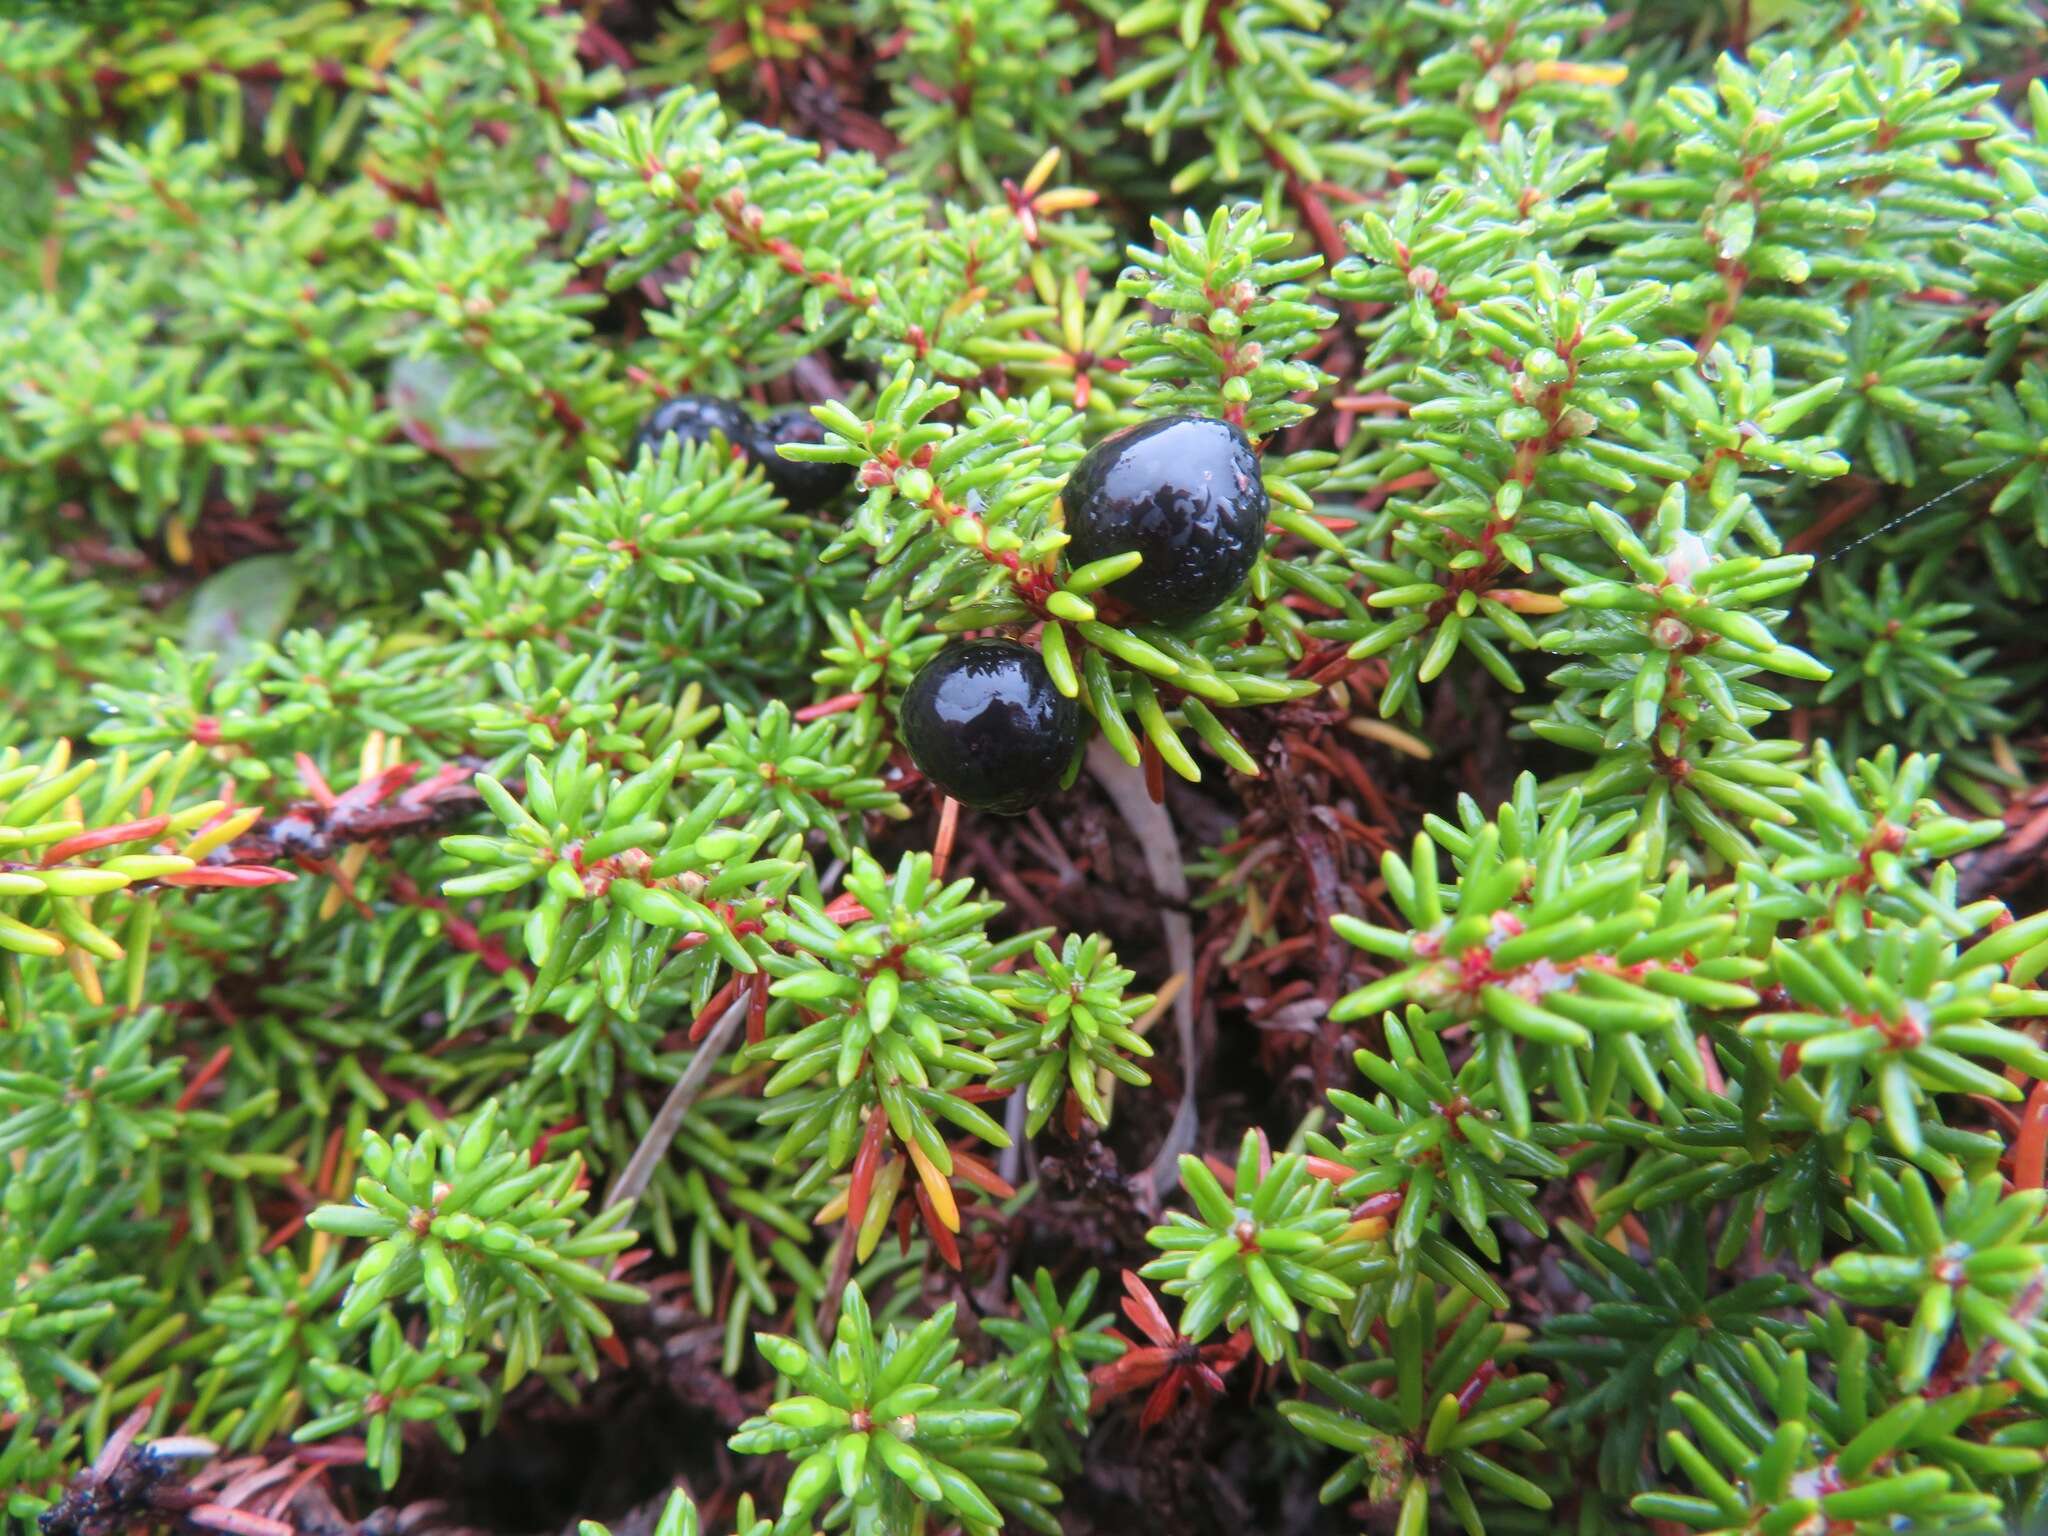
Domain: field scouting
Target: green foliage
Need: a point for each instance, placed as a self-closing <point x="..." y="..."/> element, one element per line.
<point x="980" y="88"/>
<point x="1049" y="1347"/>
<point x="603" y="894"/>
<point x="1248" y="75"/>
<point x="1083" y="1027"/>
<point x="1558" y="958"/>
<point x="1428" y="1145"/>
<point x="1911" y="665"/>
<point x="679" y="1517"/>
<point x="1871" y="839"/>
<point x="52" y="621"/>
<point x="2008" y="255"/>
<point x="1428" y="1413"/>
<point x="487" y="816"/>
<point x="51" y="1304"/>
<point x="881" y="1021"/>
<point x="465" y="1222"/>
<point x="1241" y="319"/>
<point x="1647" y="1324"/>
<point x="1881" y="1008"/>
<point x="281" y="1331"/>
<point x="695" y="518"/>
<point x="395" y="1386"/>
<point x="1887" y="1016"/>
<point x="1668" y="686"/>
<point x="1255" y="1255"/>
<point x="1979" y="1260"/>
<point x="1781" y="1466"/>
<point x="818" y="776"/>
<point x="875" y="1422"/>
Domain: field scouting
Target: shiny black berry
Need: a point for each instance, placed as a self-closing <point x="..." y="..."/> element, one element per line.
<point x="984" y="723"/>
<point x="1184" y="492"/>
<point x="693" y="418"/>
<point x="806" y="487"/>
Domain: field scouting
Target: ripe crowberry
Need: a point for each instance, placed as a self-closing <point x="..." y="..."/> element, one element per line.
<point x="984" y="723"/>
<point x="693" y="418"/>
<point x="804" y="486"/>
<point x="1184" y="492"/>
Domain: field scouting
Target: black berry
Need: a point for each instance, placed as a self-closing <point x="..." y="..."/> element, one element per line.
<point x="806" y="487"/>
<point x="1184" y="492"/>
<point x="985" y="724"/>
<point x="693" y="418"/>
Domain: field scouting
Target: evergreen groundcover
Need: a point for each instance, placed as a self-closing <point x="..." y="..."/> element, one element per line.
<point x="919" y="766"/>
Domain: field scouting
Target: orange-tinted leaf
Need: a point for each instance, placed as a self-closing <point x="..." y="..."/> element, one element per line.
<point x="865" y="1162"/>
<point x="2030" y="1147"/>
<point x="1161" y="1402"/>
<point x="146" y="830"/>
<point x="1143" y="1309"/>
<point x="942" y="1240"/>
<point x="232" y="876"/>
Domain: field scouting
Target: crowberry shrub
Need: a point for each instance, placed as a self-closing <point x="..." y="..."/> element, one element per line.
<point x="703" y="706"/>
